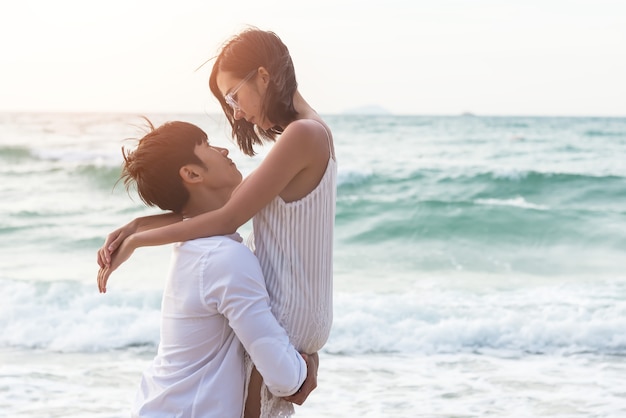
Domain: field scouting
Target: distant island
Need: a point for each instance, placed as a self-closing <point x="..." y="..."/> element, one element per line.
<point x="367" y="110"/>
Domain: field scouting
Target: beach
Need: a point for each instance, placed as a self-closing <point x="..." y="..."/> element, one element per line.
<point x="479" y="267"/>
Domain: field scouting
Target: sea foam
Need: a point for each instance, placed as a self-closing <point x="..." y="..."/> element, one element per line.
<point x="69" y="316"/>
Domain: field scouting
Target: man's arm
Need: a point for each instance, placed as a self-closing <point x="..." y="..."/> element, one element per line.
<point x="244" y="301"/>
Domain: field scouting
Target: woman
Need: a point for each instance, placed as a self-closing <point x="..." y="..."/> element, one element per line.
<point x="290" y="196"/>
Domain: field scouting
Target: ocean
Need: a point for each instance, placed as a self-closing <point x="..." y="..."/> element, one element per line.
<point x="480" y="267"/>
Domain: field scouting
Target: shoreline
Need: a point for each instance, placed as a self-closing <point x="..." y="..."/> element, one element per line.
<point x="35" y="383"/>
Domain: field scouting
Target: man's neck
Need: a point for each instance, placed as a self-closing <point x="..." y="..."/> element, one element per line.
<point x="192" y="212"/>
<point x="200" y="203"/>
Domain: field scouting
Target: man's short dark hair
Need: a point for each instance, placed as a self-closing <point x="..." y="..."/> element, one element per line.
<point x="154" y="165"/>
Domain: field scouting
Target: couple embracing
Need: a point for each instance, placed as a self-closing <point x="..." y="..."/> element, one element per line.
<point x="240" y="331"/>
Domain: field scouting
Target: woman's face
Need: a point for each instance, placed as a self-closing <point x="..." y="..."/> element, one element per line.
<point x="244" y="96"/>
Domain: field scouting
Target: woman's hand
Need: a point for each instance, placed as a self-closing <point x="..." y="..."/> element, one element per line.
<point x="122" y="254"/>
<point x="113" y="241"/>
<point x="115" y="238"/>
<point x="310" y="383"/>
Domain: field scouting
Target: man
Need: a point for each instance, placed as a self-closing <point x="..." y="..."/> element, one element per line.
<point x="215" y="303"/>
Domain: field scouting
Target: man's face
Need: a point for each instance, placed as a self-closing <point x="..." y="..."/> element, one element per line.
<point x="221" y="171"/>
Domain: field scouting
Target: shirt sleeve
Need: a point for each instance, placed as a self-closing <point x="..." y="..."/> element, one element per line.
<point x="241" y="296"/>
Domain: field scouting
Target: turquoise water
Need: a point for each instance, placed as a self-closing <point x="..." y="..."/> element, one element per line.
<point x="480" y="267"/>
<point x="539" y="196"/>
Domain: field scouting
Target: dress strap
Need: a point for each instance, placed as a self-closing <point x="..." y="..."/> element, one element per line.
<point x="330" y="144"/>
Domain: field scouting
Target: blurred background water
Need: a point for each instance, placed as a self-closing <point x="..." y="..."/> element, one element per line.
<point x="480" y="267"/>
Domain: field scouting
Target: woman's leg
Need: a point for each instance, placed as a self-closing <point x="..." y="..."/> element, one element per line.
<point x="252" y="408"/>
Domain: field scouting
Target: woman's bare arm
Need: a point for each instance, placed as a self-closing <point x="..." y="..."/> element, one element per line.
<point x="296" y="150"/>
<point x="143" y="223"/>
<point x="288" y="157"/>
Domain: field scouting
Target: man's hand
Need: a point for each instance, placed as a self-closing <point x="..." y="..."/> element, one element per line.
<point x="122" y="254"/>
<point x="310" y="383"/>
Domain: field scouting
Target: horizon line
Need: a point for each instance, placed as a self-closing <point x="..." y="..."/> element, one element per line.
<point x="345" y="113"/>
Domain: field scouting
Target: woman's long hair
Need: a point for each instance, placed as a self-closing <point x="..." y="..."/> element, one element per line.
<point x="243" y="53"/>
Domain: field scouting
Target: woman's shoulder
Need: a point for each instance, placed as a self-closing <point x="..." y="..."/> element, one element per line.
<point x="308" y="128"/>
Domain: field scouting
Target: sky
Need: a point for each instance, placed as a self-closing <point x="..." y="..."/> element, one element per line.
<point x="487" y="57"/>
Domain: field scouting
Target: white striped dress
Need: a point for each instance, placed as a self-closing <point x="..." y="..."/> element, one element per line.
<point x="294" y="244"/>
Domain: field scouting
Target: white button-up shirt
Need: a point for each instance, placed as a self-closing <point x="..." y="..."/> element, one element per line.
<point x="214" y="301"/>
